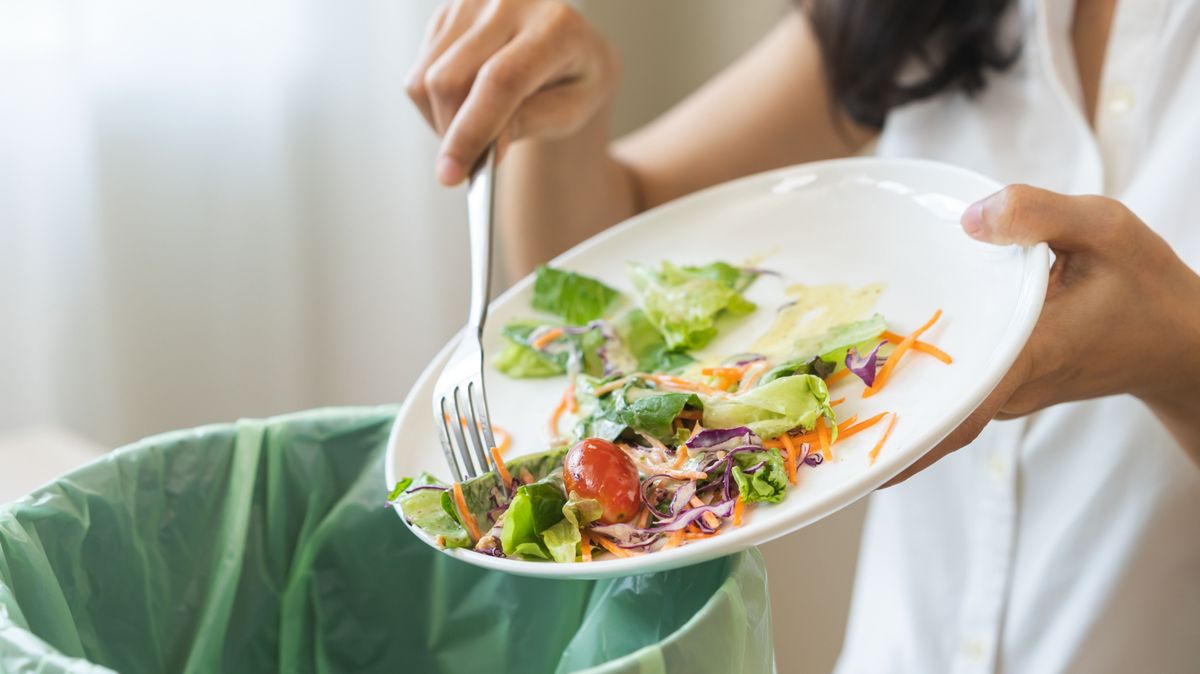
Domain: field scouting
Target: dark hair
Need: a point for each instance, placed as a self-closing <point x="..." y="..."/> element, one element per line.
<point x="869" y="47"/>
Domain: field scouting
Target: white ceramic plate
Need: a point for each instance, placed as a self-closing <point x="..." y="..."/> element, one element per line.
<point x="852" y="221"/>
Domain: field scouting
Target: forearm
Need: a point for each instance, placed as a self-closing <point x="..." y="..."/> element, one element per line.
<point x="1174" y="396"/>
<point x="556" y="193"/>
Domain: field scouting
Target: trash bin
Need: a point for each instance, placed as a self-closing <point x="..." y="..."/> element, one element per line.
<point x="266" y="546"/>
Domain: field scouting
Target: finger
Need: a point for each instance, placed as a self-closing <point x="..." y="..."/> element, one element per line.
<point x="447" y="24"/>
<point x="450" y="78"/>
<point x="504" y="81"/>
<point x="1020" y="214"/>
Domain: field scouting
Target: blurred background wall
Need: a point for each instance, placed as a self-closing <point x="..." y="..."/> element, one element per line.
<point x="227" y="209"/>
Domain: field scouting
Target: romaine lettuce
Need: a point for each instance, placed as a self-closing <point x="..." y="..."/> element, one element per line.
<point x="520" y="360"/>
<point x="683" y="303"/>
<point x="772" y="409"/>
<point x="769" y="483"/>
<point x="424" y="510"/>
<point x="562" y="539"/>
<point x="825" y="354"/>
<point x="641" y="409"/>
<point x="534" y="509"/>
<point x="645" y="345"/>
<point x="575" y="298"/>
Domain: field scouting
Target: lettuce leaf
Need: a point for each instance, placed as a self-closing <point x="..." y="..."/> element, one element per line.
<point x="424" y="510"/>
<point x="521" y="361"/>
<point x="825" y="354"/>
<point x="633" y="407"/>
<point x="768" y="483"/>
<point x="772" y="409"/>
<point x="562" y="539"/>
<point x="534" y="509"/>
<point x="645" y="345"/>
<point x="575" y="298"/>
<point x="683" y="303"/>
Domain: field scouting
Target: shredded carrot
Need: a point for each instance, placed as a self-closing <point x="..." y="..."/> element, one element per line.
<point x="499" y="463"/>
<point x="693" y="415"/>
<point x="749" y="379"/>
<point x="526" y="476"/>
<point x="561" y="407"/>
<point x="464" y="513"/>
<point x="726" y="376"/>
<point x="923" y="347"/>
<point x="674" y="539"/>
<point x="642" y="517"/>
<point x="683" y="456"/>
<point x="839" y="401"/>
<point x="683" y="384"/>
<point x="843" y="434"/>
<point x="546" y="337"/>
<point x="572" y="402"/>
<point x="882" y="439"/>
<point x="439" y="541"/>
<point x="823" y="439"/>
<point x="789" y="457"/>
<point x="585" y="546"/>
<point x="837" y="376"/>
<point x="709" y="518"/>
<point x="505" y="440"/>
<point x="612" y="547"/>
<point x="695" y="536"/>
<point x="739" y="507"/>
<point x="904" y="346"/>
<point x="613" y="385"/>
<point x="813" y="437"/>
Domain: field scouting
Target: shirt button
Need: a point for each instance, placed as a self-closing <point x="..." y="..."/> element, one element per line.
<point x="1120" y="99"/>
<point x="998" y="468"/>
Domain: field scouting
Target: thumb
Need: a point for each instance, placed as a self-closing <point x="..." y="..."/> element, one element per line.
<point x="1024" y="215"/>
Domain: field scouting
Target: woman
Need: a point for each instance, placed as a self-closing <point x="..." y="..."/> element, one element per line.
<point x="1065" y="540"/>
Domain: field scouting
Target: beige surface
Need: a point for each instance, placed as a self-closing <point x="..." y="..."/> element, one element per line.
<point x="33" y="457"/>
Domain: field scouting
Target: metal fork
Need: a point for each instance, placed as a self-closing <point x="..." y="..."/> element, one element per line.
<point x="459" y="401"/>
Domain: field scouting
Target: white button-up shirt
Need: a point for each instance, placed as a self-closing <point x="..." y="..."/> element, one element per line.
<point x="1068" y="541"/>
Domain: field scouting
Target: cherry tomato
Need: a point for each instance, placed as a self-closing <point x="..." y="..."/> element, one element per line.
<point x="598" y="469"/>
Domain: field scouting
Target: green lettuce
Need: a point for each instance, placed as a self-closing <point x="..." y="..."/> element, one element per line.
<point x="424" y="510"/>
<point x="521" y="361"/>
<point x="772" y="409"/>
<point x="433" y="511"/>
<point x="562" y="539"/>
<point x="645" y="344"/>
<point x="534" y="509"/>
<point x="768" y="483"/>
<point x="575" y="298"/>
<point x="825" y="354"/>
<point x="684" y="303"/>
<point x="633" y="407"/>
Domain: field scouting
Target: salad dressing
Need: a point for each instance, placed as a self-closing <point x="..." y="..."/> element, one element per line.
<point x="811" y="313"/>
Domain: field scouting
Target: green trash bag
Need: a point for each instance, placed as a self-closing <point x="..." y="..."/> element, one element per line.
<point x="266" y="546"/>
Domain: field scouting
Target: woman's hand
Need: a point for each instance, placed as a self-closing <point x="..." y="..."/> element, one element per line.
<point x="499" y="70"/>
<point x="1122" y="315"/>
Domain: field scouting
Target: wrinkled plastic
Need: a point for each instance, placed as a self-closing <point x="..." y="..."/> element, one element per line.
<point x="265" y="546"/>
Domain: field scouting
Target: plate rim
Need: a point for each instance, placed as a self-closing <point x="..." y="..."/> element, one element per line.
<point x="1035" y="261"/>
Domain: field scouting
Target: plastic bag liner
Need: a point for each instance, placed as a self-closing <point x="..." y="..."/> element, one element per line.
<point x="266" y="546"/>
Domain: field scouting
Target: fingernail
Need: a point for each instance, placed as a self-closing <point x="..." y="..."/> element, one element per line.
<point x="972" y="220"/>
<point x="449" y="171"/>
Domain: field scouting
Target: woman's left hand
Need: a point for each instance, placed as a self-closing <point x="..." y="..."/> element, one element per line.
<point x="1122" y="315"/>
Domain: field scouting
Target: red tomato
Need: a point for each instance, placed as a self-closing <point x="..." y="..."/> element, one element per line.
<point x="598" y="469"/>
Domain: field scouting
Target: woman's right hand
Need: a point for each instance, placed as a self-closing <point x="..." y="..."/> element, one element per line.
<point x="500" y="70"/>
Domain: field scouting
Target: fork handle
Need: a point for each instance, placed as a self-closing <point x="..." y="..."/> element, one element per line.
<point x="480" y="210"/>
